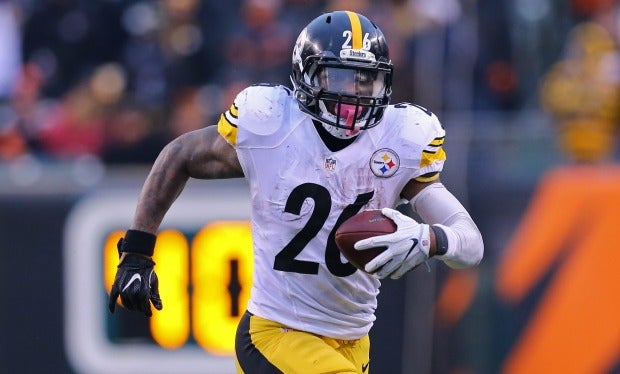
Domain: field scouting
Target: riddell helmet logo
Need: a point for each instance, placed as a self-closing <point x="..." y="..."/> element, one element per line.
<point x="384" y="163"/>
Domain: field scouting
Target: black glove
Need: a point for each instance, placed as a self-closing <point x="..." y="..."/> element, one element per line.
<point x="136" y="282"/>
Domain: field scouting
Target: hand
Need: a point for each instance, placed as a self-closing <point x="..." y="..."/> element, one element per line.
<point x="407" y="247"/>
<point x="136" y="283"/>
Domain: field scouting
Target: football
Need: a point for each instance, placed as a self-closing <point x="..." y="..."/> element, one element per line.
<point x="363" y="225"/>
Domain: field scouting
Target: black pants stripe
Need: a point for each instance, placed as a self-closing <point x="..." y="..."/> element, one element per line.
<point x="250" y="359"/>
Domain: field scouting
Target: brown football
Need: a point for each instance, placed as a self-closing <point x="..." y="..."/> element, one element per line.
<point x="363" y="225"/>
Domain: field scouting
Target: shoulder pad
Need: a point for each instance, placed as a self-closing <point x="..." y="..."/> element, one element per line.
<point x="421" y="130"/>
<point x="261" y="108"/>
<point x="257" y="109"/>
<point x="419" y="124"/>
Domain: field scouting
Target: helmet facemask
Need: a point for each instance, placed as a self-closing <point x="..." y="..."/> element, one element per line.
<point x="344" y="97"/>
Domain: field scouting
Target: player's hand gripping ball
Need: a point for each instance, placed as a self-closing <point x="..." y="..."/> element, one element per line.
<point x="366" y="224"/>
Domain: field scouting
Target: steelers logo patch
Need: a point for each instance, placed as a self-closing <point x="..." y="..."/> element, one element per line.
<point x="384" y="163"/>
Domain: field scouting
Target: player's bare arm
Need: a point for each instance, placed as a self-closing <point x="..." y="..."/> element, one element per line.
<point x="201" y="154"/>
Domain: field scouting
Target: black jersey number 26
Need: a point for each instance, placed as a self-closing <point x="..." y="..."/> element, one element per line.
<point x="286" y="259"/>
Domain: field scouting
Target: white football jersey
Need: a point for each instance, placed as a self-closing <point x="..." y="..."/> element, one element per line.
<point x="301" y="191"/>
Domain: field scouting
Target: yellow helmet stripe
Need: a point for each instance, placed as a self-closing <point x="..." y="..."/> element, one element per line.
<point x="356" y="30"/>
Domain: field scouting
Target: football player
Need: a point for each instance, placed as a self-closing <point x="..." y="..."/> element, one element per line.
<point x="313" y="156"/>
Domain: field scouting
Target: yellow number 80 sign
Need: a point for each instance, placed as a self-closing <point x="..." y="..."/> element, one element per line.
<point x="204" y="264"/>
<point x="219" y="261"/>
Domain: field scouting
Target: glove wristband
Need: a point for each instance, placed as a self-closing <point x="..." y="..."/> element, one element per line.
<point x="136" y="241"/>
<point x="441" y="240"/>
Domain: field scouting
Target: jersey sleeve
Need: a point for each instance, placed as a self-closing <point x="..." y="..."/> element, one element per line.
<point x="425" y="136"/>
<point x="433" y="154"/>
<point x="229" y="120"/>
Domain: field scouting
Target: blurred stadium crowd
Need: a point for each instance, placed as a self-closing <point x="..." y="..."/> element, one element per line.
<point x="118" y="79"/>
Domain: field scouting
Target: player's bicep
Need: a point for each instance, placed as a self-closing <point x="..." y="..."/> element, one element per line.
<point x="211" y="156"/>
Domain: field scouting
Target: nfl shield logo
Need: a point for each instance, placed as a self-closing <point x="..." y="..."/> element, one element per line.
<point x="330" y="164"/>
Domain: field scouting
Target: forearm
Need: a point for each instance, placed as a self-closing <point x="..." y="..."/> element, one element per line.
<point x="163" y="185"/>
<point x="438" y="207"/>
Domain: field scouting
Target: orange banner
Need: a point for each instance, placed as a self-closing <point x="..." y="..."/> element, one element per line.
<point x="570" y="231"/>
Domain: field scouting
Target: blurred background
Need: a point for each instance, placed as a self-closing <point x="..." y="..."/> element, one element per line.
<point x="528" y="91"/>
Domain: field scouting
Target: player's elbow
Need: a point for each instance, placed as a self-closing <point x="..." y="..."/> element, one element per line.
<point x="472" y="258"/>
<point x="472" y="246"/>
<point x="476" y="249"/>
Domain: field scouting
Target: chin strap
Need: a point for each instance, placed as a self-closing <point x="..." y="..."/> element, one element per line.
<point x="349" y="117"/>
<point x="341" y="133"/>
<point x="337" y="132"/>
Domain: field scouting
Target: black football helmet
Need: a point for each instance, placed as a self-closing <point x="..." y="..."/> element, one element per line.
<point x="342" y="73"/>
